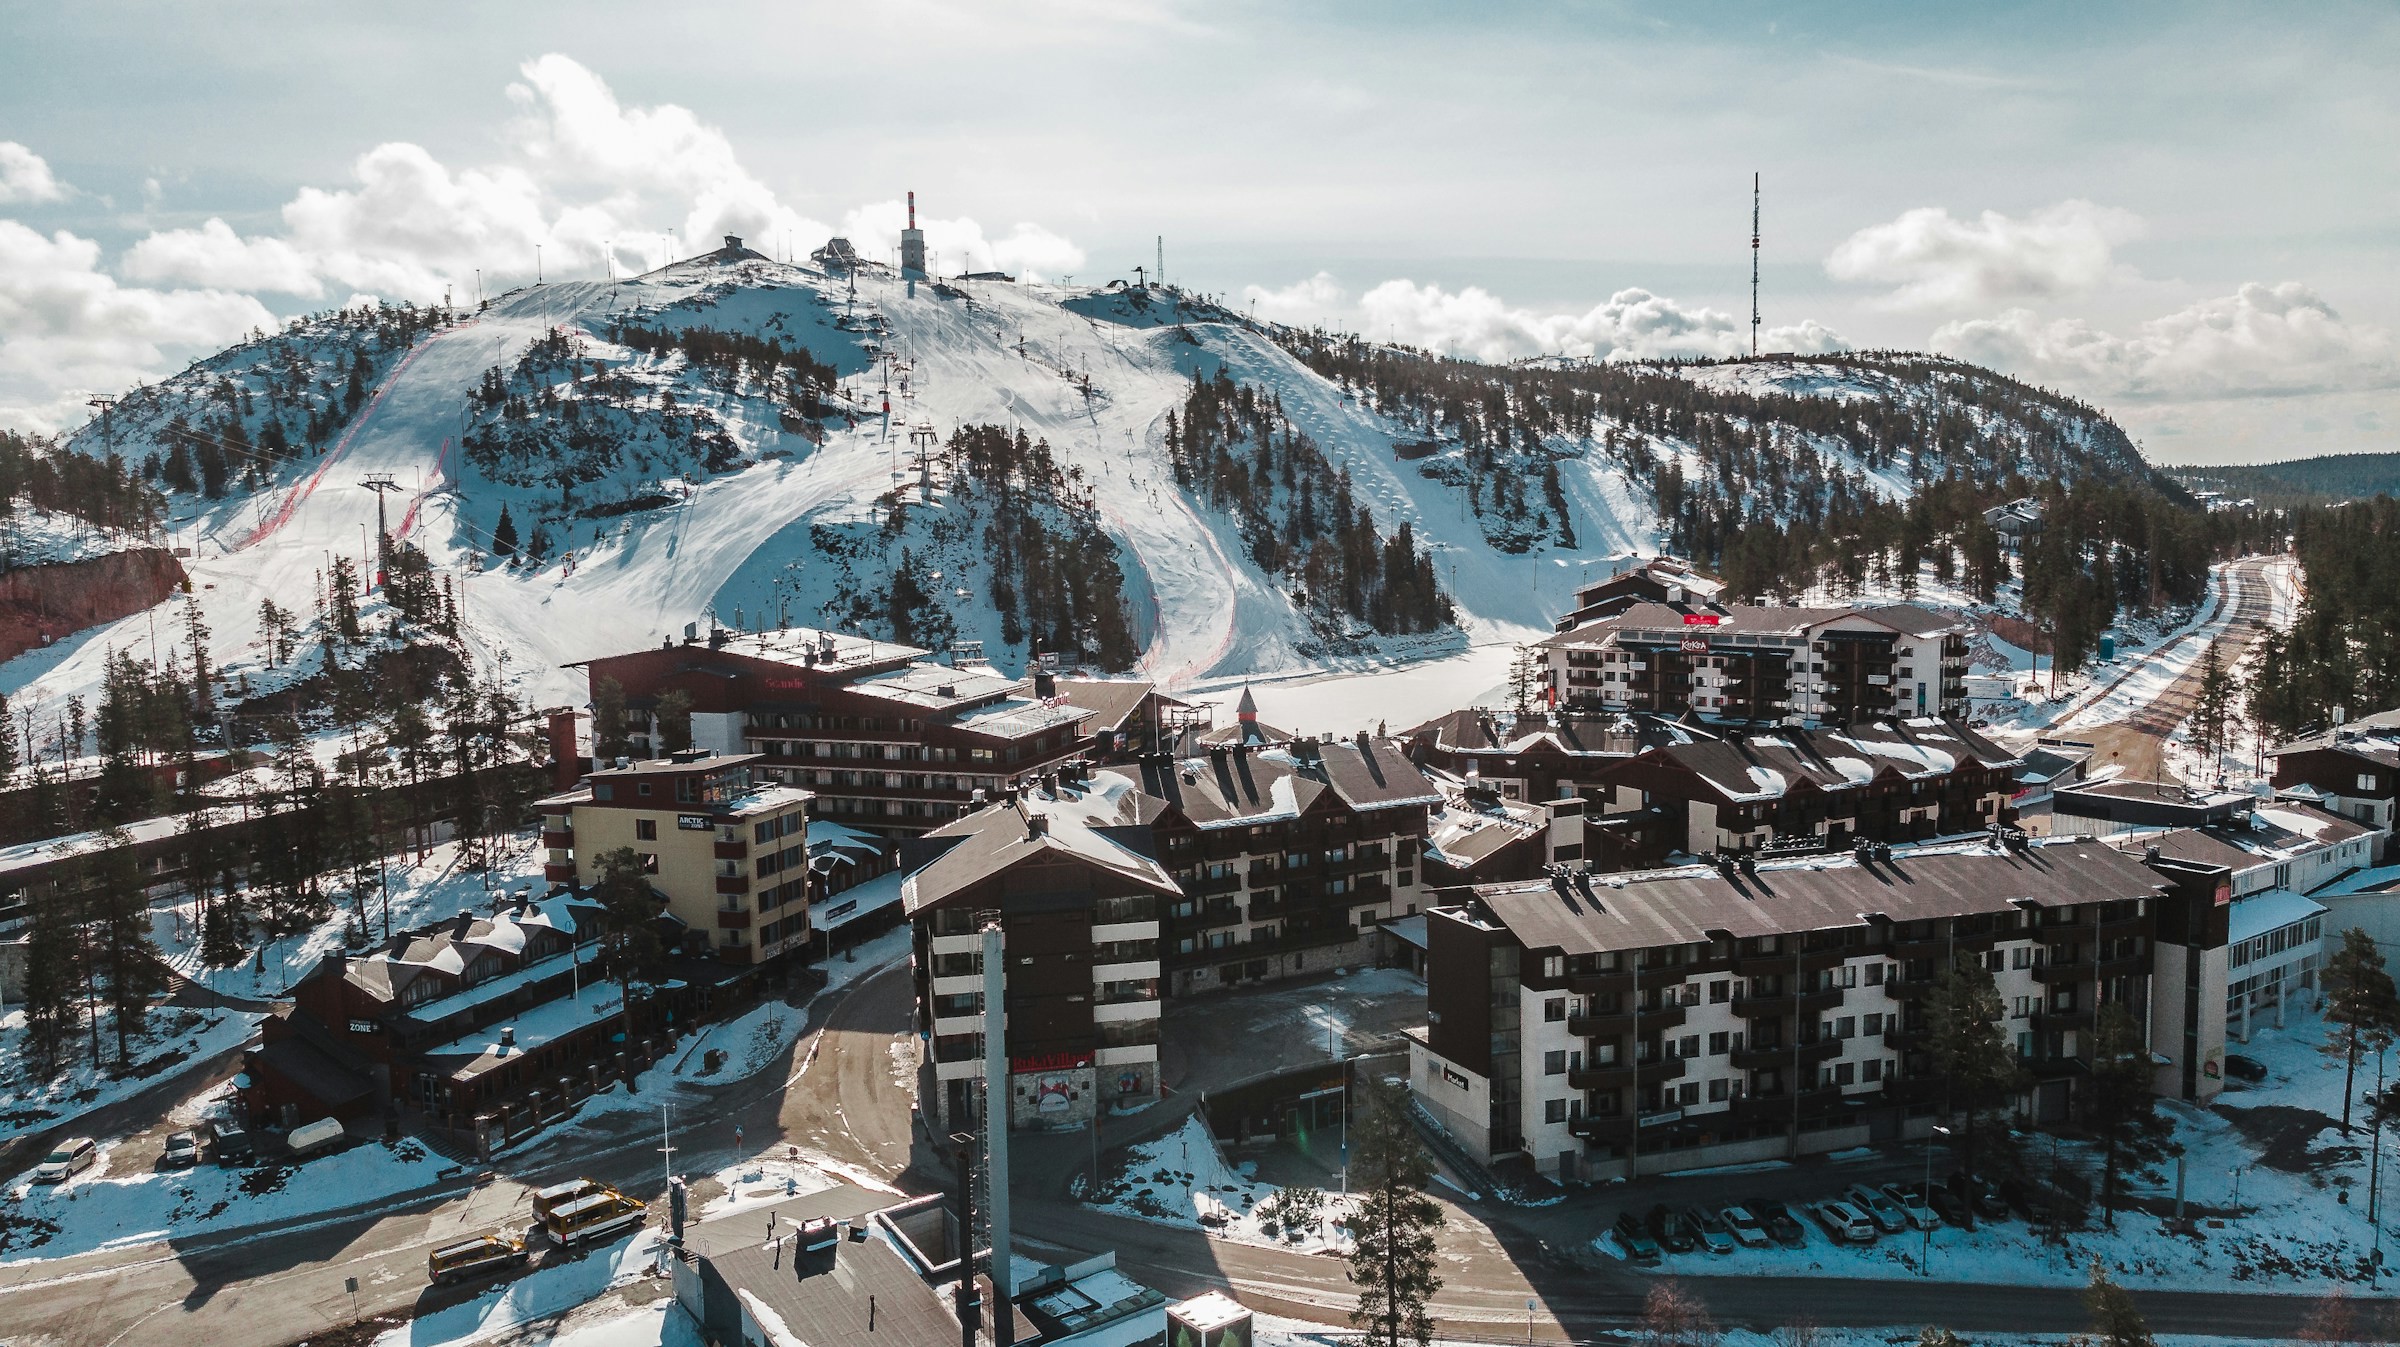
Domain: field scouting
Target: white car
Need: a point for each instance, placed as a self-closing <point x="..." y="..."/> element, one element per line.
<point x="1846" y="1223"/>
<point x="1748" y="1230"/>
<point x="1913" y="1205"/>
<point x="70" y="1158"/>
<point x="1883" y="1211"/>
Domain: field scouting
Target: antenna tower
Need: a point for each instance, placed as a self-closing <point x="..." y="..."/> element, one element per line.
<point x="1754" y="266"/>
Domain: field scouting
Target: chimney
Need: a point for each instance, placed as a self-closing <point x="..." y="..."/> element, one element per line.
<point x="508" y="1036"/>
<point x="1037" y="827"/>
<point x="912" y="210"/>
<point x="566" y="765"/>
<point x="1045" y="684"/>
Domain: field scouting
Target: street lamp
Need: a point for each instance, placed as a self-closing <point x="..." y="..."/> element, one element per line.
<point x="1925" y="1258"/>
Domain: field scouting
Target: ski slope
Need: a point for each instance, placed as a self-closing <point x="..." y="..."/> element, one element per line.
<point x="1006" y="353"/>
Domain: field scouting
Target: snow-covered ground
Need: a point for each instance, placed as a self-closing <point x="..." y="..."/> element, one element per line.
<point x="553" y="1290"/>
<point x="176" y="1035"/>
<point x="2293" y="1232"/>
<point x="30" y="537"/>
<point x="1182" y="1179"/>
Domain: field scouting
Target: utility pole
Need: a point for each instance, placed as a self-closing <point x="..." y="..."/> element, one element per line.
<point x="104" y="404"/>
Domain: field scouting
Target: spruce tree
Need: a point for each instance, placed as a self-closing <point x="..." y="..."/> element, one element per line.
<point x="119" y="911"/>
<point x="1971" y="1054"/>
<point x="504" y="535"/>
<point x="609" y="741"/>
<point x="2115" y="1322"/>
<point x="629" y="943"/>
<point x="674" y="721"/>
<point x="2362" y="1008"/>
<point x="2120" y="1107"/>
<point x="53" y="981"/>
<point x="1392" y="1243"/>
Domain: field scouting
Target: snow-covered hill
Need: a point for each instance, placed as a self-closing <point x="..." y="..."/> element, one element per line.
<point x="712" y="438"/>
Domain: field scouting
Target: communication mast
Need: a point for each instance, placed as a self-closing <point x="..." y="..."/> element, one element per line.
<point x="1754" y="266"/>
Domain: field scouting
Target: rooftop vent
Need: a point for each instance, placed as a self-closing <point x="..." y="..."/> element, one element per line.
<point x="508" y="1036"/>
<point x="1037" y="826"/>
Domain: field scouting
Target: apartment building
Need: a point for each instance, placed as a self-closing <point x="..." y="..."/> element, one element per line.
<point x="2354" y="766"/>
<point x="725" y="847"/>
<point x="1535" y="757"/>
<point x="1078" y="906"/>
<point x="1883" y="781"/>
<point x="2279" y="853"/>
<point x="1603" y="1025"/>
<point x="1630" y="580"/>
<point x="1749" y="664"/>
<point x="886" y="739"/>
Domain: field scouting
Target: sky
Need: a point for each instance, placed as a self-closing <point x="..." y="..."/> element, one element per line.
<point x="2185" y="213"/>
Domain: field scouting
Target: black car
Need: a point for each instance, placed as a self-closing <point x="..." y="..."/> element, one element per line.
<point x="1782" y="1226"/>
<point x="1980" y="1193"/>
<point x="2245" y="1068"/>
<point x="1671" y="1231"/>
<point x="1946" y="1204"/>
<point x="1634" y="1238"/>
<point x="230" y="1142"/>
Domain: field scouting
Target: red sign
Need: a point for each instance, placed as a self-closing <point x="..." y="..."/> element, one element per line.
<point x="1701" y="619"/>
<point x="1693" y="645"/>
<point x="1051" y="1061"/>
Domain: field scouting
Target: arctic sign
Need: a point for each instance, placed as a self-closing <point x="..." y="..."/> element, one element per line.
<point x="1702" y="619"/>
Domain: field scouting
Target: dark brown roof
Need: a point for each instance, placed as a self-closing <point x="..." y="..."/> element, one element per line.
<point x="1230" y="787"/>
<point x="1107" y="702"/>
<point x="1768" y="765"/>
<point x="1679" y="907"/>
<point x="1622" y="735"/>
<point x="990" y="841"/>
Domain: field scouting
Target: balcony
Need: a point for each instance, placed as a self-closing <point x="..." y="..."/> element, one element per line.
<point x="2046" y="1020"/>
<point x="1762" y="1005"/>
<point x="1206" y="885"/>
<point x="1217" y="914"/>
<point x="732" y="851"/>
<point x="558" y="841"/>
<point x="1601" y="1077"/>
<point x="1601" y="1026"/>
<point x="1762" y="1056"/>
<point x="736" y="884"/>
<point x="2060" y="974"/>
<point x="1823" y="999"/>
<point x="733" y="919"/>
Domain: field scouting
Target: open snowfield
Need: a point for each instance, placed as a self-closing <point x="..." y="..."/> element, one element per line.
<point x="2291" y="1233"/>
<point x="1182" y="1179"/>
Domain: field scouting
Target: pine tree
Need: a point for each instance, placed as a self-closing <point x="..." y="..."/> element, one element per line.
<point x="2115" y="1322"/>
<point x="2212" y="711"/>
<point x="119" y="912"/>
<point x="2362" y="1008"/>
<point x="1970" y="1053"/>
<point x="53" y="977"/>
<point x="629" y="943"/>
<point x="2119" y="1105"/>
<point x="609" y="740"/>
<point x="674" y="721"/>
<point x="504" y="535"/>
<point x="1392" y="1249"/>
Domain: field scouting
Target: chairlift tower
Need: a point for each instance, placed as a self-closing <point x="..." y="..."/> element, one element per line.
<point x="379" y="483"/>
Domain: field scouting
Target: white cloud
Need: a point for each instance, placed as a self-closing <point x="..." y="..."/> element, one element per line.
<point x="959" y="244"/>
<point x="67" y="328"/>
<point x="1936" y="261"/>
<point x="1318" y="296"/>
<point x="214" y="256"/>
<point x="2262" y="340"/>
<point x="1632" y="324"/>
<point x="25" y="177"/>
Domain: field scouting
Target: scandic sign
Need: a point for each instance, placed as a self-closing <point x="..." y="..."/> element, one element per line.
<point x="1702" y="619"/>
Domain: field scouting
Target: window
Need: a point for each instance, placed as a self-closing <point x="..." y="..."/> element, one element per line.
<point x="1844" y="1073"/>
<point x="1871" y="1070"/>
<point x="645" y="830"/>
<point x="1874" y="975"/>
<point x="1717" y="1090"/>
<point x="1554" y="966"/>
<point x="1554" y="1062"/>
<point x="1719" y="991"/>
<point x="641" y="788"/>
<point x="1554" y="1110"/>
<point x="1688" y="1046"/>
<point x="1717" y="1043"/>
<point x="1687" y="1093"/>
<point x="1554" y="1009"/>
<point x="1874" y="1026"/>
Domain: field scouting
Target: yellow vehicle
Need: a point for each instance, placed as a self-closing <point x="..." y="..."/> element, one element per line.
<point x="593" y="1216"/>
<point x="483" y="1253"/>
<point x="545" y="1199"/>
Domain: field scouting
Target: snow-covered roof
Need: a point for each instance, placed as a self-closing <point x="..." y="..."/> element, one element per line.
<point x="989" y="841"/>
<point x="2268" y="910"/>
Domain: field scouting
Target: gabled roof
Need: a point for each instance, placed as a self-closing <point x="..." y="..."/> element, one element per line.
<point x="1771" y="765"/>
<point x="1222" y="789"/>
<point x="1106" y="703"/>
<point x="1473" y="730"/>
<point x="1067" y="825"/>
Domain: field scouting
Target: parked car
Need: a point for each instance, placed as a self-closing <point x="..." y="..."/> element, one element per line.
<point x="472" y="1257"/>
<point x="1669" y="1229"/>
<point x="1748" y="1231"/>
<point x="1845" y="1223"/>
<point x="66" y="1160"/>
<point x="182" y="1151"/>
<point x="2245" y="1068"/>
<point x="1980" y="1193"/>
<point x="1913" y="1205"/>
<point x="1709" y="1228"/>
<point x="1634" y="1238"/>
<point x="230" y="1142"/>
<point x="1883" y="1211"/>
<point x="1782" y="1226"/>
<point x="1947" y="1205"/>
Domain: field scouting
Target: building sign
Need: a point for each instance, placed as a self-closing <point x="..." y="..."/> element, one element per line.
<point x="363" y="1026"/>
<point x="1693" y="645"/>
<point x="1051" y="1061"/>
<point x="1454" y="1077"/>
<point x="693" y="823"/>
<point x="1653" y="1119"/>
<point x="1702" y="619"/>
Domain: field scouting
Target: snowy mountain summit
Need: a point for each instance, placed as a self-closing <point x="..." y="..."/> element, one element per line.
<point x="1131" y="478"/>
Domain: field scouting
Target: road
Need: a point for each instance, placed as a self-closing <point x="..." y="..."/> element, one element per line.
<point x="2133" y="736"/>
